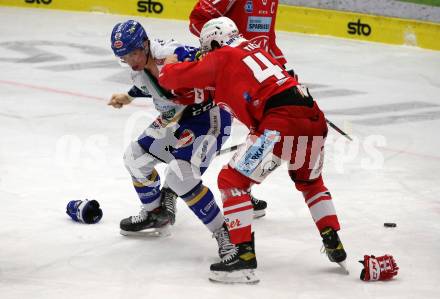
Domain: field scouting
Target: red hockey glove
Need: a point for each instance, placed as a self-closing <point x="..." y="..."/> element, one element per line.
<point x="378" y="268"/>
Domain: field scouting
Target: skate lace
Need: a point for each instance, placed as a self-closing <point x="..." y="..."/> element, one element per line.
<point x="143" y="214"/>
<point x="169" y="201"/>
<point x="230" y="255"/>
<point x="224" y="244"/>
<point x="255" y="200"/>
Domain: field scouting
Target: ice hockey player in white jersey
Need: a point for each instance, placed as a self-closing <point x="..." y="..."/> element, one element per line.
<point x="186" y="137"/>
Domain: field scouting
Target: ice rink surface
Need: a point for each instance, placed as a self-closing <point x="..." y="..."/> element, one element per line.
<point x="59" y="141"/>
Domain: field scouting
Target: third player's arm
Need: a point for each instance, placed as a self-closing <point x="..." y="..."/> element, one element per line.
<point x="206" y="10"/>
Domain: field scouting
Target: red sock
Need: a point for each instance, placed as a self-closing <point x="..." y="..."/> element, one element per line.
<point x="238" y="213"/>
<point x="319" y="201"/>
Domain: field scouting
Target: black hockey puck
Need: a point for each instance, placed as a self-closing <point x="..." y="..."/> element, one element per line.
<point x="389" y="224"/>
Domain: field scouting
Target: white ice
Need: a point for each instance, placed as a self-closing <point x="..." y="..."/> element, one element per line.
<point x="59" y="141"/>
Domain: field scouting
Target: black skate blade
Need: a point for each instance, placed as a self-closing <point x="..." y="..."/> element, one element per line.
<point x="246" y="276"/>
<point x="259" y="213"/>
<point x="149" y="233"/>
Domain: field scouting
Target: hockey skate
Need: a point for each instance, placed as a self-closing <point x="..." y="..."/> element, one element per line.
<point x="238" y="266"/>
<point x="168" y="202"/>
<point x="259" y="207"/>
<point x="333" y="247"/>
<point x="148" y="223"/>
<point x="224" y="243"/>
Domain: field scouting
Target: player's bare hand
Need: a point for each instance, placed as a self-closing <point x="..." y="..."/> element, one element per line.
<point x="119" y="99"/>
<point x="171" y="59"/>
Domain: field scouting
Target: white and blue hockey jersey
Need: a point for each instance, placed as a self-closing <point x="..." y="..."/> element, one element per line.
<point x="146" y="85"/>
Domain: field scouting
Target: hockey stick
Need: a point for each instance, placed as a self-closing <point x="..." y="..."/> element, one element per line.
<point x="235" y="147"/>
<point x="229" y="149"/>
<point x="336" y="128"/>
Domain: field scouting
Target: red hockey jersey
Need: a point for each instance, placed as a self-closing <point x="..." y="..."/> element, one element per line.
<point x="255" y="19"/>
<point x="244" y="77"/>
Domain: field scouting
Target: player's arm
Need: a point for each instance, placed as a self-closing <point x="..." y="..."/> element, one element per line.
<point x="276" y="53"/>
<point x="206" y="10"/>
<point x="118" y="100"/>
<point x="185" y="96"/>
<point x="197" y="74"/>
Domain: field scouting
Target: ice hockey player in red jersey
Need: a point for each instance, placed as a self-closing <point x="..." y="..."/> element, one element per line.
<point x="286" y="124"/>
<point x="255" y="19"/>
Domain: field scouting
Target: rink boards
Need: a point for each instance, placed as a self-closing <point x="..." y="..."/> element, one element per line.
<point x="290" y="18"/>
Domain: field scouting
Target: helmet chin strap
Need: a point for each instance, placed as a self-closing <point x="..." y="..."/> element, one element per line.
<point x="152" y="69"/>
<point x="147" y="52"/>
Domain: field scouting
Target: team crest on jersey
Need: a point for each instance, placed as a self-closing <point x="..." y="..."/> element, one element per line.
<point x="249" y="6"/>
<point x="186" y="138"/>
<point x="260" y="41"/>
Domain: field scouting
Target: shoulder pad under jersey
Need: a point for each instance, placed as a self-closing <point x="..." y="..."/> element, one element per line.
<point x="161" y="49"/>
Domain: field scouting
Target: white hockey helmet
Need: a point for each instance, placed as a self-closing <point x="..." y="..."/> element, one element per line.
<point x="221" y="31"/>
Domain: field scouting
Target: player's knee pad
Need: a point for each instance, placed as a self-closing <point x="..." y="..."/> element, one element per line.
<point x="256" y="159"/>
<point x="181" y="176"/>
<point x="138" y="162"/>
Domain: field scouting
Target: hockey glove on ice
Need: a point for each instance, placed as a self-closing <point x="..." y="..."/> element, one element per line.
<point x="378" y="268"/>
<point x="85" y="211"/>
